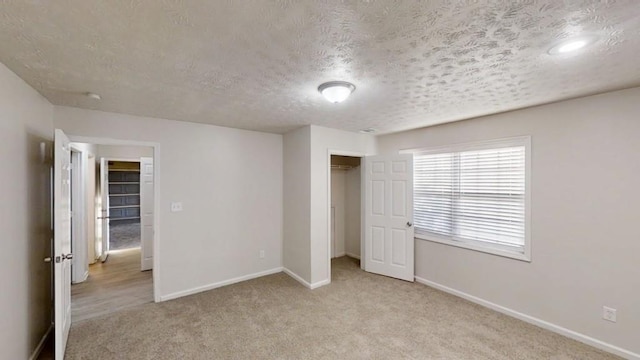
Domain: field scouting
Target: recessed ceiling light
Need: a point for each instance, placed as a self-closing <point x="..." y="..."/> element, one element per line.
<point x="93" y="96"/>
<point x="572" y="45"/>
<point x="336" y="91"/>
<point x="368" y="130"/>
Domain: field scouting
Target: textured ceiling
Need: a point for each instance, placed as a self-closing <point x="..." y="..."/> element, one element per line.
<point x="257" y="64"/>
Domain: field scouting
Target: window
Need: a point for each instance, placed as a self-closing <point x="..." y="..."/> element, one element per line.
<point x="475" y="196"/>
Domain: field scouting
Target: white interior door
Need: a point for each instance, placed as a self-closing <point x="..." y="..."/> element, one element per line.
<point x="146" y="213"/>
<point x="388" y="220"/>
<point x="62" y="241"/>
<point x="104" y="211"/>
<point x="79" y="264"/>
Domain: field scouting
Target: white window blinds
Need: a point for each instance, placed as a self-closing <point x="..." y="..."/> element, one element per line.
<point x="474" y="195"/>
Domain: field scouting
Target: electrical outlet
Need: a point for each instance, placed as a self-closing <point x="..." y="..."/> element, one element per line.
<point x="609" y="314"/>
<point x="176" y="206"/>
<point x="261" y="254"/>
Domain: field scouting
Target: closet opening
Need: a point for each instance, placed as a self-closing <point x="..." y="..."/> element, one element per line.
<point x="345" y="211"/>
<point x="123" y="205"/>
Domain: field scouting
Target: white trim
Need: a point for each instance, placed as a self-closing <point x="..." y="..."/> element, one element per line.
<point x="36" y="352"/>
<point x="340" y="254"/>
<point x="320" y="283"/>
<point x="110" y="141"/>
<point x="120" y="159"/>
<point x="535" y="321"/>
<point x="472" y="145"/>
<point x="218" y="284"/>
<point x="156" y="195"/>
<point x="305" y="283"/>
<point x="297" y="278"/>
<point x="353" y="256"/>
<point x="476" y="246"/>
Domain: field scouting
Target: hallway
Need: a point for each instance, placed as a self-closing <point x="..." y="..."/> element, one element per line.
<point x="112" y="286"/>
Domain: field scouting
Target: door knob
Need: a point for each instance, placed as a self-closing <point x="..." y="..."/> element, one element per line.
<point x="409" y="224"/>
<point x="47" y="259"/>
<point x="67" y="256"/>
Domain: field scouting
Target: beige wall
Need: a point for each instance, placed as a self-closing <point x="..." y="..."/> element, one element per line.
<point x="123" y="152"/>
<point x="297" y="197"/>
<point x="25" y="216"/>
<point x="322" y="140"/>
<point x="306" y="184"/>
<point x="585" y="196"/>
<point x="229" y="182"/>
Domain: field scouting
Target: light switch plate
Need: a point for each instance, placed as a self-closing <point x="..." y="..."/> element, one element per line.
<point x="176" y="206"/>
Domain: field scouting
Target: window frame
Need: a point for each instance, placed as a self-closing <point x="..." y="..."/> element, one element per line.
<point x="476" y="245"/>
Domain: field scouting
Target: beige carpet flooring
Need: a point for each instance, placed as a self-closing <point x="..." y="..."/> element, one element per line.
<point x="358" y="316"/>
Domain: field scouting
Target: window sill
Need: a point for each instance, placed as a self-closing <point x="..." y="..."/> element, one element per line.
<point x="480" y="248"/>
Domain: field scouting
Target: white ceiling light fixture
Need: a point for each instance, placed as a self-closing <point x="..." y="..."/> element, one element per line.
<point x="573" y="44"/>
<point x="336" y="91"/>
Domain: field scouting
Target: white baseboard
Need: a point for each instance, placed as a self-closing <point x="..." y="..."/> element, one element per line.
<point x="318" y="284"/>
<point x="535" y="321"/>
<point x="38" y="349"/>
<point x="353" y="256"/>
<point x="297" y="278"/>
<point x="340" y="254"/>
<point x="83" y="278"/>
<point x="199" y="289"/>
<point x="305" y="282"/>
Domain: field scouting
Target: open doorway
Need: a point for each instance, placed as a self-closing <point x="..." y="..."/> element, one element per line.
<point x="116" y="250"/>
<point x="345" y="211"/>
<point x="123" y="189"/>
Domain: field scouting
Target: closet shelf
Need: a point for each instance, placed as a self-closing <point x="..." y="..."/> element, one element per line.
<point x="125" y="202"/>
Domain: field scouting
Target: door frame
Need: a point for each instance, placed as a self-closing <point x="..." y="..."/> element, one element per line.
<point x="103" y="169"/>
<point x="145" y="197"/>
<point x="104" y="256"/>
<point x="79" y="241"/>
<point x="156" y="196"/>
<point x="360" y="155"/>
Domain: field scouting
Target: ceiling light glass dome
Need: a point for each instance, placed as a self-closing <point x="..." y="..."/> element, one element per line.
<point x="336" y="91"/>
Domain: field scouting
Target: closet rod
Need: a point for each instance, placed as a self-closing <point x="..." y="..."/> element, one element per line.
<point x="342" y="167"/>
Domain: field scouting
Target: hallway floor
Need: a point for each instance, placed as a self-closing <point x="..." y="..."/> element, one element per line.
<point x="113" y="285"/>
